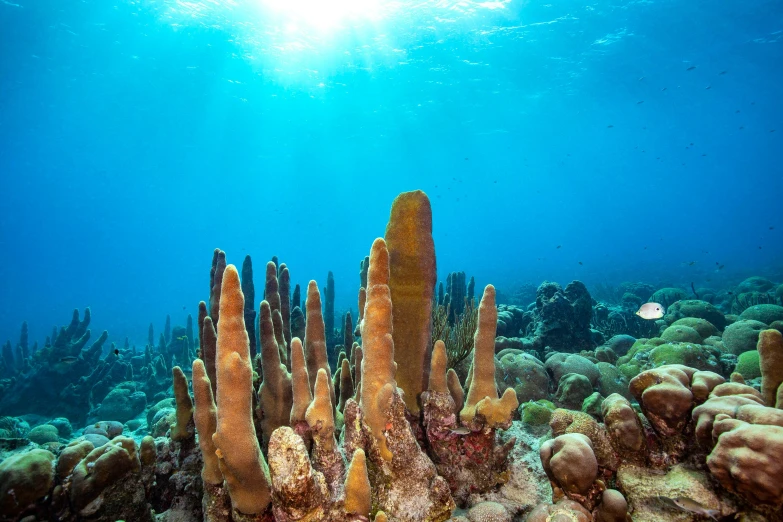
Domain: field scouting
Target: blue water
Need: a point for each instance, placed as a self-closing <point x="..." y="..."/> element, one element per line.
<point x="138" y="136"/>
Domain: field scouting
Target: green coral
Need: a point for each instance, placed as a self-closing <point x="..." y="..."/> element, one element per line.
<point x="695" y="308"/>
<point x="765" y="313"/>
<point x="536" y="413"/>
<point x="630" y="369"/>
<point x="748" y="365"/>
<point x="592" y="404"/>
<point x="702" y="326"/>
<point x="688" y="354"/>
<point x="681" y="334"/>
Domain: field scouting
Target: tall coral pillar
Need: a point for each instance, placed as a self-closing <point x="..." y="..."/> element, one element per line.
<point x="412" y="278"/>
<point x="243" y="466"/>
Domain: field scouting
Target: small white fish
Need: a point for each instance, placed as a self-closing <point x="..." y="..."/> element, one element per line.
<point x="462" y="430"/>
<point x="651" y="311"/>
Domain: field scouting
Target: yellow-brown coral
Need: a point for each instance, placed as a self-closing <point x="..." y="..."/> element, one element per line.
<point x="482" y="399"/>
<point x="412" y="277"/>
<point x="241" y="461"/>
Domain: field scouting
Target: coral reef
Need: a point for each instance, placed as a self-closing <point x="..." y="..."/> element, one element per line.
<point x="416" y="416"/>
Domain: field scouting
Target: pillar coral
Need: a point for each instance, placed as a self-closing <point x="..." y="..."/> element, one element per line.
<point x="358" y="355"/>
<point x="208" y="352"/>
<point x="405" y="482"/>
<point x="329" y="316"/>
<point x="277" y="327"/>
<point x="183" y="429"/>
<point x="205" y="418"/>
<point x="285" y="308"/>
<point x="455" y="388"/>
<point x="357" y="489"/>
<point x="362" y="301"/>
<point x="320" y="418"/>
<point x="215" y="503"/>
<point x="346" y="384"/>
<point x="202" y="314"/>
<point x="315" y="338"/>
<point x="215" y="283"/>
<point x="412" y="278"/>
<point x="482" y="405"/>
<point x="470" y="462"/>
<point x="298" y="328"/>
<point x="302" y="396"/>
<point x="275" y="394"/>
<point x="770" y="347"/>
<point x="249" y="291"/>
<point x="378" y="366"/>
<point x="240" y="459"/>
<point x="348" y="332"/>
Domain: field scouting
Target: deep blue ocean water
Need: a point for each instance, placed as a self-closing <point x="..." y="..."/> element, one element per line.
<point x="643" y="138"/>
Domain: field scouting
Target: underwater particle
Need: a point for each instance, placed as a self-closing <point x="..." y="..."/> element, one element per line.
<point x="692" y="67"/>
<point x="466" y="159"/>
<point x="721" y="267"/>
<point x="580" y="262"/>
<point x="609" y="126"/>
<point x="558" y="246"/>
<point x="68" y="359"/>
<point x="722" y="73"/>
<point x="651" y="311"/>
<point x="772" y="228"/>
<point x="707" y="88"/>
<point x="663" y="89"/>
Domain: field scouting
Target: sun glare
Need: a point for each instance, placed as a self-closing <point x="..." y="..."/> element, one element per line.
<point x="326" y="14"/>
